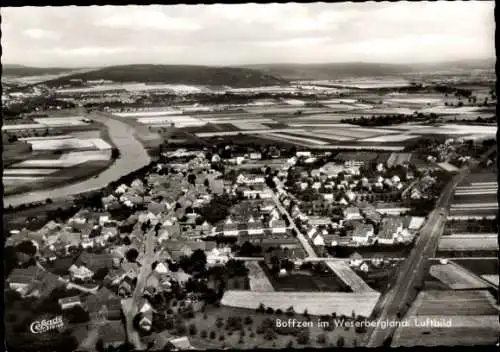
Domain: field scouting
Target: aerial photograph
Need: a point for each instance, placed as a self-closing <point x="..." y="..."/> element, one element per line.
<point x="249" y="176"/>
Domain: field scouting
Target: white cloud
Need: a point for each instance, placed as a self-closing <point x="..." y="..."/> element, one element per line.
<point x="148" y="19"/>
<point x="37" y="33"/>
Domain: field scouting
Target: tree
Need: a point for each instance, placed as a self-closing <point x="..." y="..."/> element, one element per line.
<point x="303" y="337"/>
<point x="132" y="255"/>
<point x="321" y="339"/>
<point x="26" y="247"/>
<point x="269" y="334"/>
<point x="219" y="322"/>
<point x="206" y="183"/>
<point x="290" y="311"/>
<point x="269" y="310"/>
<point x="126" y="241"/>
<point x="100" y="274"/>
<point x="212" y="335"/>
<point x="192" y="179"/>
<point x="340" y="341"/>
<point x="203" y="334"/>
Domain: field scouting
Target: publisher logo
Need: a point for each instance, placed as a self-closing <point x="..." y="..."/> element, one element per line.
<point x="41" y="326"/>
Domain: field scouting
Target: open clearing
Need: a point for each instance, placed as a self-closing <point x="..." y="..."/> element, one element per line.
<point x="258" y="278"/>
<point x="456" y="277"/>
<point x="316" y="303"/>
<point x="476" y="242"/>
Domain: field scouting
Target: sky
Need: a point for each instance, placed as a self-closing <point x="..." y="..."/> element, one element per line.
<point x="241" y="34"/>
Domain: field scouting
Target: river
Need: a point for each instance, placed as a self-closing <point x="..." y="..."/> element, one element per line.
<point x="133" y="156"/>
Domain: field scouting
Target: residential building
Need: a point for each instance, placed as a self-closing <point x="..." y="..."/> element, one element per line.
<point x="80" y="272"/>
<point x="363" y="233"/>
<point x="278" y="226"/>
<point x="352" y="213"/>
<point x="112" y="335"/>
<point x="69" y="302"/>
<point x="390" y="229"/>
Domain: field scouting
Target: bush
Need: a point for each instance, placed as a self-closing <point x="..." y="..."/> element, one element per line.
<point x="248" y="320"/>
<point x="212" y="335"/>
<point x="269" y="310"/>
<point x="321" y="339"/>
<point x="303" y="337"/>
<point x="341" y="341"/>
<point x="203" y="334"/>
<point x="279" y="311"/>
<point x="192" y="329"/>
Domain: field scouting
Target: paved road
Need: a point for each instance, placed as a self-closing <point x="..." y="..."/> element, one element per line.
<point x="412" y="270"/>
<point x="133" y="156"/>
<point x="305" y="243"/>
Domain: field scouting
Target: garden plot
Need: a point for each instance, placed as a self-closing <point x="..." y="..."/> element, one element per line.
<point x="163" y="112"/>
<point x="351" y="132"/>
<point x="13" y="179"/>
<point x="456" y="277"/>
<point x="323" y="135"/>
<point x="258" y="278"/>
<point x="26" y="126"/>
<point x="61" y="121"/>
<point x="50" y="138"/>
<point x="340" y="107"/>
<point x="392" y="111"/>
<point x="389" y="138"/>
<point x="338" y="101"/>
<point x="316" y="303"/>
<point x="322" y="125"/>
<point x="475" y="242"/>
<point x="22" y="172"/>
<point x="448" y="167"/>
<point x="294" y="102"/>
<point x="294" y="138"/>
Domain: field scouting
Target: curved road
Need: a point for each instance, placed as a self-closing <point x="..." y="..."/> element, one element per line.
<point x="133" y="156"/>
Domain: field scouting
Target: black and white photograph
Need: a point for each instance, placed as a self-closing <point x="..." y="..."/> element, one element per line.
<point x="249" y="176"/>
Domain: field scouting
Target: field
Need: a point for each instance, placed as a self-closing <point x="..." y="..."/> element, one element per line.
<point x="491" y="278"/>
<point x="456" y="277"/>
<point x="479" y="266"/>
<point x="390" y="138"/>
<point x="251" y="338"/>
<point x="469" y="242"/>
<point x="470" y="317"/>
<point x="316" y="303"/>
<point x="67" y="143"/>
<point x="258" y="278"/>
<point x="475" y="331"/>
<point x="349" y="277"/>
<point x="61" y="121"/>
<point x="454" y="303"/>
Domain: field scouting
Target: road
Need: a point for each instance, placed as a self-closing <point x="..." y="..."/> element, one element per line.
<point x="305" y="243"/>
<point x="412" y="270"/>
<point x="133" y="156"/>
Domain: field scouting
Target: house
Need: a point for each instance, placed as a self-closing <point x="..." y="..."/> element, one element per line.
<point x="161" y="268"/>
<point x="20" y="279"/>
<point x="126" y="287"/>
<point x="355" y="259"/>
<point x="364" y="267"/>
<point x="217" y="257"/>
<point x="319" y="240"/>
<point x="44" y="285"/>
<point x="255" y="227"/>
<point x="114" y="278"/>
<point x="305" y="154"/>
<point x="416" y="223"/>
<point x="351" y="196"/>
<point x="255" y="156"/>
<point x="179" y="344"/>
<point x="328" y="196"/>
<point x="112" y="335"/>
<point x="230" y="229"/>
<point x="178" y="249"/>
<point x="363" y="233"/>
<point x="69" y="302"/>
<point x="278" y="226"/>
<point x="104" y="304"/>
<point x="390" y="228"/>
<point x="80" y="272"/>
<point x="95" y="261"/>
<point x="352" y="213"/>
